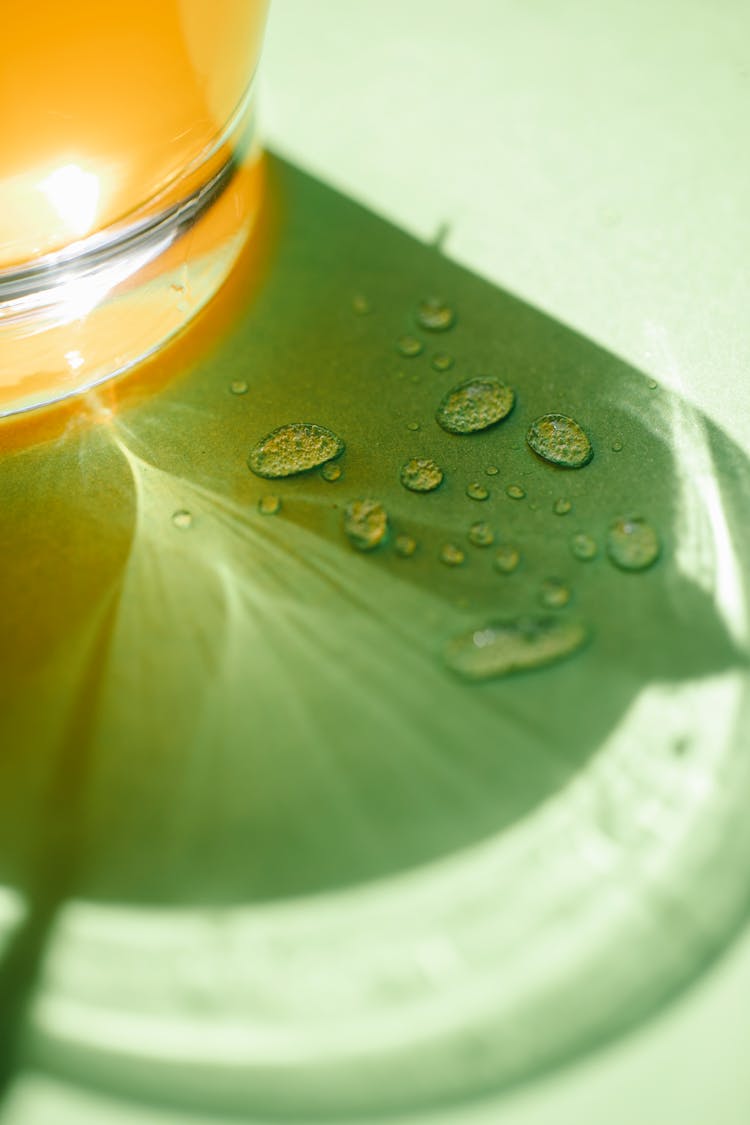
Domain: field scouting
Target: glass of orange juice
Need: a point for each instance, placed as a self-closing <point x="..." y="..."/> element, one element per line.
<point x="127" y="187"/>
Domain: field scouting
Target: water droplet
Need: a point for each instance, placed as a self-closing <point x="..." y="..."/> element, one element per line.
<point x="409" y="346"/>
<point x="451" y="555"/>
<point x="183" y="519"/>
<point x="481" y="534"/>
<point x="442" y="361"/>
<point x="331" y="471"/>
<point x="500" y="648"/>
<point x="652" y="384"/>
<point x="421" y="475"/>
<point x="583" y="546"/>
<point x="562" y="506"/>
<point x="617" y="446"/>
<point x="361" y="305"/>
<point x="492" y="470"/>
<point x="238" y="387"/>
<point x="269" y="505"/>
<point x="554" y="594"/>
<point x="294" y="449"/>
<point x="477" y="491"/>
<point x="632" y="543"/>
<point x="413" y="426"/>
<point x="434" y="314"/>
<point x="515" y="492"/>
<point x="507" y="558"/>
<point x="366" y="523"/>
<point x="474" y="405"/>
<point x="415" y="379"/>
<point x="559" y="440"/>
<point x="405" y="546"/>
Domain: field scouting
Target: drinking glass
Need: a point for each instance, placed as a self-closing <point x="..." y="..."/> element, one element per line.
<point x="129" y="180"/>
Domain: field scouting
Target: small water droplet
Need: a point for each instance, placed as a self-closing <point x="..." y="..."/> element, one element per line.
<point x="474" y="405"/>
<point x="405" y="546"/>
<point x="617" y="446"/>
<point x="632" y="543"/>
<point x="477" y="491"/>
<point x="501" y="648"/>
<point x="409" y="346"/>
<point x="238" y="387"/>
<point x="415" y="379"/>
<point x="366" y="523"/>
<point x="361" y="305"/>
<point x="562" y="506"/>
<point x="554" y="594"/>
<point x="421" y="475"/>
<point x="507" y="558"/>
<point x="442" y="361"/>
<point x="331" y="471"/>
<point x="413" y="426"/>
<point x="515" y="492"/>
<point x="492" y="470"/>
<point x="435" y="314"/>
<point x="559" y="440"/>
<point x="652" y="384"/>
<point x="269" y="505"/>
<point x="583" y="546"/>
<point x="481" y="534"/>
<point x="294" y="449"/>
<point x="451" y="554"/>
<point x="183" y="519"/>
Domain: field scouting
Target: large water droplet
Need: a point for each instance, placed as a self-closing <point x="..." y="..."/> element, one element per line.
<point x="480" y="534"/>
<point x="366" y="523"/>
<point x="583" y="546"/>
<point x="474" y="405"/>
<point x="435" y="314"/>
<point x="559" y="440"/>
<point x="409" y="346"/>
<point x="451" y="554"/>
<point x="477" y="491"/>
<point x="632" y="543"/>
<point x="421" y="475"/>
<point x="269" y="505"/>
<point x="507" y="558"/>
<point x="183" y="519"/>
<point x="503" y="647"/>
<point x="294" y="449"/>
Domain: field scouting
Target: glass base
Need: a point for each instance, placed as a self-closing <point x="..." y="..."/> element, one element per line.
<point x="73" y="319"/>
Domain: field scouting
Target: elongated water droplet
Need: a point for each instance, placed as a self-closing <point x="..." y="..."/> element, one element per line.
<point x="269" y="505"/>
<point x="515" y="492"/>
<point x="583" y="546"/>
<point x="295" y="448"/>
<point x="331" y="471"/>
<point x="421" y="475"/>
<point x="238" y="387"/>
<point x="562" y="506"/>
<point x="366" y="523"/>
<point x="474" y="405"/>
<point x="632" y="543"/>
<point x="442" y="361"/>
<point x="481" y="534"/>
<point x="451" y="554"/>
<point x="409" y="346"/>
<point x="183" y="519"/>
<point x="435" y="314"/>
<point x="559" y="440"/>
<point x="477" y="491"/>
<point x="405" y="546"/>
<point x="554" y="594"/>
<point x="507" y="558"/>
<point x="503" y="647"/>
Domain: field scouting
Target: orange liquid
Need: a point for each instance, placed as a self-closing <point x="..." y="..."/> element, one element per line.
<point x="105" y="102"/>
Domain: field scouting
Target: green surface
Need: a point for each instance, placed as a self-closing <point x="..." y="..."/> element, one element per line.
<point x="244" y="709"/>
